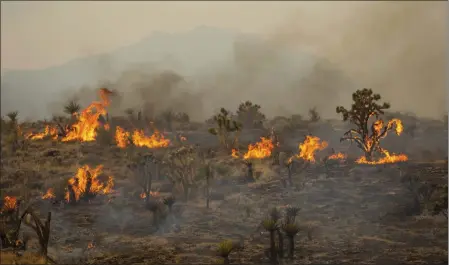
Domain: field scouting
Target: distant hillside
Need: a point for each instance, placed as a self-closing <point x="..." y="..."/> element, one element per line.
<point x="185" y="53"/>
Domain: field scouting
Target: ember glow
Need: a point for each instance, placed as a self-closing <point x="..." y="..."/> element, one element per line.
<point x="260" y="149"/>
<point x="86" y="181"/>
<point x="154" y="194"/>
<point x="85" y="128"/>
<point x="337" y="156"/>
<point x="235" y="153"/>
<point x="9" y="203"/>
<point x="309" y="147"/>
<point x="50" y="194"/>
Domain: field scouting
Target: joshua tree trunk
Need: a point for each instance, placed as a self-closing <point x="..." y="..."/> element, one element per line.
<point x="273" y="254"/>
<point x="281" y="244"/>
<point x="291" y="246"/>
<point x="250" y="172"/>
<point x="289" y="171"/>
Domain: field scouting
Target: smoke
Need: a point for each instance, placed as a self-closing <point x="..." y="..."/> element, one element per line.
<point x="317" y="58"/>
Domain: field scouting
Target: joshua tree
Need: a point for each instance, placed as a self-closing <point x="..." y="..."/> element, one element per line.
<point x="249" y="115"/>
<point x="72" y="107"/>
<point x="224" y="249"/>
<point x="182" y="165"/>
<point x="290" y="230"/>
<point x="271" y="226"/>
<point x="144" y="171"/>
<point x="225" y="127"/>
<point x="13" y="116"/>
<point x="364" y="107"/>
<point x="314" y="116"/>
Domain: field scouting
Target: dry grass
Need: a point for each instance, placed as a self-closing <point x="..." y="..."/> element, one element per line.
<point x="8" y="257"/>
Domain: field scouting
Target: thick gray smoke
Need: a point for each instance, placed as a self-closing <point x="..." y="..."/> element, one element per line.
<point x="317" y="58"/>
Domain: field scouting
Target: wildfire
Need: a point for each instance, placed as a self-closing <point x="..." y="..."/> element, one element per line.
<point x="309" y="147"/>
<point x="90" y="245"/>
<point x="85" y="128"/>
<point x="86" y="181"/>
<point x="386" y="159"/>
<point x="121" y="137"/>
<point x="338" y="156"/>
<point x="49" y="131"/>
<point x="152" y="194"/>
<point x="9" y="203"/>
<point x="138" y="137"/>
<point x="260" y="149"/>
<point x="50" y="194"/>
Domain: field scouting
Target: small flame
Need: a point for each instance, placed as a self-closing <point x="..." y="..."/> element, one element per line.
<point x="85" y="128"/>
<point x="90" y="245"/>
<point x="85" y="175"/>
<point x="338" y="156"/>
<point x="309" y="147"/>
<point x="154" y="194"/>
<point x="106" y="126"/>
<point x="182" y="138"/>
<point x="9" y="203"/>
<point x="260" y="149"/>
<point x="235" y="153"/>
<point x="386" y="159"/>
<point x="50" y="194"/>
<point x="49" y="131"/>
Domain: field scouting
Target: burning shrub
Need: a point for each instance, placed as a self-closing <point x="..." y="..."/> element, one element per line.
<point x="226" y="128"/>
<point x="138" y="138"/>
<point x="86" y="184"/>
<point x="249" y="115"/>
<point x="365" y="106"/>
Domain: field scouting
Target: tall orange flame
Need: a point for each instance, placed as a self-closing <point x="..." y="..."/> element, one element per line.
<point x="80" y="180"/>
<point x="85" y="128"/>
<point x="309" y="147"/>
<point x="260" y="149"/>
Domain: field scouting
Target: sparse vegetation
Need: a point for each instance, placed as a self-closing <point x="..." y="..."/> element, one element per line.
<point x="153" y="209"/>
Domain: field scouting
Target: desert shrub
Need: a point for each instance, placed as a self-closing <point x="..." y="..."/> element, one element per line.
<point x="422" y="192"/>
<point x="226" y="129"/>
<point x="72" y="107"/>
<point x="181" y="166"/>
<point x="249" y="115"/>
<point x="314" y="116"/>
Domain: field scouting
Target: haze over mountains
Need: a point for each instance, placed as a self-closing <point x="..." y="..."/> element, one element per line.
<point x="313" y="59"/>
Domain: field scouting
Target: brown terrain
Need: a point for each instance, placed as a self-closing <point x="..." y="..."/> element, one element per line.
<point x="350" y="212"/>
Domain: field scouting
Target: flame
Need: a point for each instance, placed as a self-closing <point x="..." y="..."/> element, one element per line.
<point x="50" y="194"/>
<point x="182" y="138"/>
<point x="9" y="203"/>
<point x="85" y="128"/>
<point x="121" y="137"/>
<point x="235" y="153"/>
<point x="107" y="127"/>
<point x="338" y="156"/>
<point x="49" y="131"/>
<point x="152" y="194"/>
<point x="386" y="159"/>
<point x="156" y="140"/>
<point x="309" y="147"/>
<point x="260" y="149"/>
<point x="80" y="180"/>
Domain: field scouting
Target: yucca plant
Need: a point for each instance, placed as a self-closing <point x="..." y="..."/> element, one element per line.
<point x="290" y="213"/>
<point x="169" y="201"/>
<point x="224" y="249"/>
<point x="291" y="230"/>
<point x="271" y="226"/>
<point x="72" y="107"/>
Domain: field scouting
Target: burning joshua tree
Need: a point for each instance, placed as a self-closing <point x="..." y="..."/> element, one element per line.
<point x="259" y="150"/>
<point x="364" y="107"/>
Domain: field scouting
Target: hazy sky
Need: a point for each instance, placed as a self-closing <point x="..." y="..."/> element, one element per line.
<point x="41" y="34"/>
